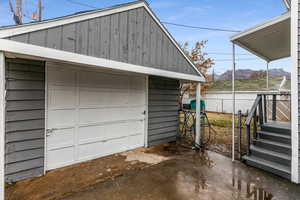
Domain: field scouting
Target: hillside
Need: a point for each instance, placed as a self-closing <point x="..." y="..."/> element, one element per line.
<point x="249" y="84"/>
<point x="248" y="74"/>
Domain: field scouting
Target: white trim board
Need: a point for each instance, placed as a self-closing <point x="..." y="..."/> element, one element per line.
<point x="261" y="26"/>
<point x="2" y="125"/>
<point x="49" y="54"/>
<point x="26" y="28"/>
<point x="294" y="91"/>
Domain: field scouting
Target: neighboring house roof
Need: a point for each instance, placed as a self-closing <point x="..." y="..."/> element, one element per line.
<point x="17" y="33"/>
<point x="270" y="40"/>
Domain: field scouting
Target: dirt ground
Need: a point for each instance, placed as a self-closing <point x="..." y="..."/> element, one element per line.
<point x="59" y="183"/>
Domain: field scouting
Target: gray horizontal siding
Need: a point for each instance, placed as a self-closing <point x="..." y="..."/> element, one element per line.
<point x="163" y="110"/>
<point x="132" y="37"/>
<point x="25" y="123"/>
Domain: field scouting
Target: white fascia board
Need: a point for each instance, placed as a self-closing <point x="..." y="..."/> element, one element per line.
<point x="294" y="91"/>
<point x="26" y="28"/>
<point x="49" y="54"/>
<point x="261" y="26"/>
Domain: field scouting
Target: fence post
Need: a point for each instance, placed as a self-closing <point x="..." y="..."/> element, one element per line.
<point x="260" y="111"/>
<point x="240" y="134"/>
<point x="265" y="109"/>
<point x="274" y="107"/>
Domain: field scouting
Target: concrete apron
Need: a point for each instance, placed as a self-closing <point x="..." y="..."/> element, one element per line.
<point x="192" y="176"/>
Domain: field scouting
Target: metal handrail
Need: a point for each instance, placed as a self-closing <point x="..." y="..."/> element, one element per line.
<point x="253" y="116"/>
<point x="260" y="106"/>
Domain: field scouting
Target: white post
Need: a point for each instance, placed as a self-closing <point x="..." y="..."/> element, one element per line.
<point x="267" y="75"/>
<point x="198" y="117"/>
<point x="2" y="124"/>
<point x="233" y="101"/>
<point x="294" y="91"/>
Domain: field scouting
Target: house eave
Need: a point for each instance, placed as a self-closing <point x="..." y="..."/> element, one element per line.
<point x="48" y="54"/>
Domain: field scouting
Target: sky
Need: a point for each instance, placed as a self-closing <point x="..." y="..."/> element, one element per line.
<point x="226" y="14"/>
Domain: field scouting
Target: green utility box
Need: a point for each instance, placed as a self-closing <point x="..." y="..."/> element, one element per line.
<point x="193" y="104"/>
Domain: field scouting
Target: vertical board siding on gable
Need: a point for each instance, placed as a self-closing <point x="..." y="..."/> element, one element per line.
<point x="82" y="31"/>
<point x="163" y="110"/>
<point x="115" y="37"/>
<point x="132" y="36"/>
<point x="25" y="123"/>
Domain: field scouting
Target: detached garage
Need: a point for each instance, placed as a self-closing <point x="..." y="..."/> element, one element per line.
<point x="87" y="85"/>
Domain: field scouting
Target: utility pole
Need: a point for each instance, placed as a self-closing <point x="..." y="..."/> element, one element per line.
<point x="18" y="12"/>
<point x="40" y="8"/>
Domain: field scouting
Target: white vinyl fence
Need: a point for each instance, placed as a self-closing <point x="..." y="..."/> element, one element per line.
<point x="221" y="101"/>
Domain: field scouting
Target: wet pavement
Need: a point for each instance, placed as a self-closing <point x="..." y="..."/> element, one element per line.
<point x="207" y="176"/>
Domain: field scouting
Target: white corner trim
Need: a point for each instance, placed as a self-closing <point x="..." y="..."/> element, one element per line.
<point x="17" y="30"/>
<point x="294" y="92"/>
<point x="49" y="54"/>
<point x="146" y="111"/>
<point x="273" y="21"/>
<point x="2" y="125"/>
<point x="46" y="118"/>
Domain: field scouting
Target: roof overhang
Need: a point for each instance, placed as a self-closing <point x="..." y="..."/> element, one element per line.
<point x="6" y="32"/>
<point x="47" y="54"/>
<point x="269" y="41"/>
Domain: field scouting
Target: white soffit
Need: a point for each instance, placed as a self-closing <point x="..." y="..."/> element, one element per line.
<point x="269" y="41"/>
<point x="48" y="54"/>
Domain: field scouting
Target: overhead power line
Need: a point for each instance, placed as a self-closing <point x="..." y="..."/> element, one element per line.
<point x="237" y="59"/>
<point x="202" y="28"/>
<point x="82" y="4"/>
<point x="220" y="53"/>
<point x="169" y="23"/>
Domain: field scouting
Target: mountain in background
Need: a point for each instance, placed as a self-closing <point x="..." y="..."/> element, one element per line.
<point x="243" y="74"/>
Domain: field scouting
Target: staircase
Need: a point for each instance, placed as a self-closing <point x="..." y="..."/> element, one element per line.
<point x="271" y="150"/>
<point x="268" y="141"/>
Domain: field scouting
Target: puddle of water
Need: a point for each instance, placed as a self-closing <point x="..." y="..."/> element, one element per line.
<point x="251" y="190"/>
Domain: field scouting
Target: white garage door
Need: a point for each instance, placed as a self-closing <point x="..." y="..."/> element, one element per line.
<point x="92" y="114"/>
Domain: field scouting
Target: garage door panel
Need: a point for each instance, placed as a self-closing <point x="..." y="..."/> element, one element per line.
<point x="103" y="148"/>
<point x="93" y="114"/>
<point x="137" y="98"/>
<point x="62" y="98"/>
<point x="60" y="76"/>
<point x="101" y="115"/>
<point x="60" y="138"/>
<point x="103" y="80"/>
<point x="61" y="118"/>
<point x="137" y="83"/>
<point x="100" y="97"/>
<point x="105" y="132"/>
<point x="60" y="157"/>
